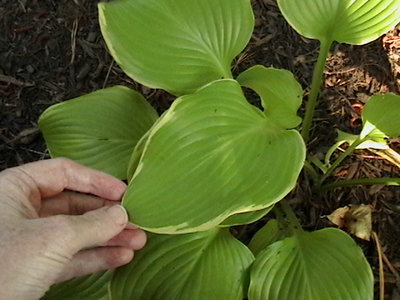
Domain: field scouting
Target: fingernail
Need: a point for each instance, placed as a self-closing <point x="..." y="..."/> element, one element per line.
<point x="118" y="213"/>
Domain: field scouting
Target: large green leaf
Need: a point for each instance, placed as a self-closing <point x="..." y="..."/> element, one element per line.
<point x="346" y="21"/>
<point x="138" y="151"/>
<point x="176" y="45"/>
<point x="100" y="129"/>
<point x="325" y="264"/>
<point x="280" y="93"/>
<point x="91" y="287"/>
<point x="210" y="265"/>
<point x="381" y="117"/>
<point x="212" y="155"/>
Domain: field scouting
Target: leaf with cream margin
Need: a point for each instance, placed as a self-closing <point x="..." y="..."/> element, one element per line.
<point x="210" y="265"/>
<point x="211" y="156"/>
<point x="346" y="21"/>
<point x="90" y="287"/>
<point x="325" y="264"/>
<point x="136" y="154"/>
<point x="176" y="45"/>
<point x="246" y="217"/>
<point x="138" y="151"/>
<point x="98" y="130"/>
<point x="380" y="117"/>
<point x="281" y="94"/>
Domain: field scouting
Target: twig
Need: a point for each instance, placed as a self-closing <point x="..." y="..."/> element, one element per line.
<point x="392" y="269"/>
<point x="108" y="74"/>
<point x="388" y="154"/>
<point x="34" y="151"/>
<point x="360" y="181"/>
<point x="73" y="40"/>
<point x="12" y="80"/>
<point x="22" y="5"/>
<point x="381" y="272"/>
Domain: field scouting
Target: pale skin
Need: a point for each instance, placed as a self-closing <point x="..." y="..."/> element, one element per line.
<point x="60" y="220"/>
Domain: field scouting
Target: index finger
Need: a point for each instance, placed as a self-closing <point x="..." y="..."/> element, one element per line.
<point x="53" y="176"/>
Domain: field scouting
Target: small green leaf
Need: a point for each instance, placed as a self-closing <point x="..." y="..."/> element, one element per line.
<point x="176" y="45"/>
<point x="212" y="155"/>
<point x="210" y="265"/>
<point x="344" y="137"/>
<point x="246" y="217"/>
<point x="267" y="235"/>
<point x="91" y="287"/>
<point x="325" y="264"/>
<point x="100" y="129"/>
<point x="376" y="142"/>
<point x="346" y="21"/>
<point x="381" y="117"/>
<point x="280" y="93"/>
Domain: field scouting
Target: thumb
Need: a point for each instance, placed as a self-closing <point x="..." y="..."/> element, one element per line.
<point x="97" y="226"/>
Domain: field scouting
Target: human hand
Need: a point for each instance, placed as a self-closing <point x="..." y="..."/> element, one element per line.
<point x="48" y="233"/>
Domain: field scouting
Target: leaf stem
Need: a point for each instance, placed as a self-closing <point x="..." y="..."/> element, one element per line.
<point x="292" y="222"/>
<point x="341" y="157"/>
<point x="278" y="214"/>
<point x="315" y="88"/>
<point x="311" y="171"/>
<point x="316" y="162"/>
<point x="361" y="181"/>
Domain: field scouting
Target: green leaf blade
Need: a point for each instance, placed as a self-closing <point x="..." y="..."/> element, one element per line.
<point x="326" y="264"/>
<point x="212" y="155"/>
<point x="207" y="265"/>
<point x="346" y="21"/>
<point x="99" y="129"/>
<point x="188" y="44"/>
<point x="281" y="94"/>
<point x="90" y="287"/>
<point x="381" y="117"/>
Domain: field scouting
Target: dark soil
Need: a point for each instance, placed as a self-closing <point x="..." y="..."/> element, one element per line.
<point x="52" y="50"/>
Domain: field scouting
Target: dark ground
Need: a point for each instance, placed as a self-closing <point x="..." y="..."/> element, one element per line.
<point x="52" y="50"/>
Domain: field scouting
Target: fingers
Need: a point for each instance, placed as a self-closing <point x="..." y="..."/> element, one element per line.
<point x="70" y="203"/>
<point x="95" y="228"/>
<point x="54" y="175"/>
<point x="134" y="239"/>
<point x="95" y="260"/>
<point x="82" y="244"/>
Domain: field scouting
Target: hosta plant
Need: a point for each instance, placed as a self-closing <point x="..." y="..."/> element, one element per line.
<point x="213" y="160"/>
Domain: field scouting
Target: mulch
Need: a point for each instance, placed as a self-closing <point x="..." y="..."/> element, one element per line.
<point x="52" y="50"/>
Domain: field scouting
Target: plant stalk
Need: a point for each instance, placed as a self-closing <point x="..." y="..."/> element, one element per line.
<point x="292" y="222"/>
<point x="311" y="171"/>
<point x="317" y="78"/>
<point x="341" y="157"/>
<point x="361" y="181"/>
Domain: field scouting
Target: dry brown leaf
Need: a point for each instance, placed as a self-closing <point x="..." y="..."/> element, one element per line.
<point x="356" y="219"/>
